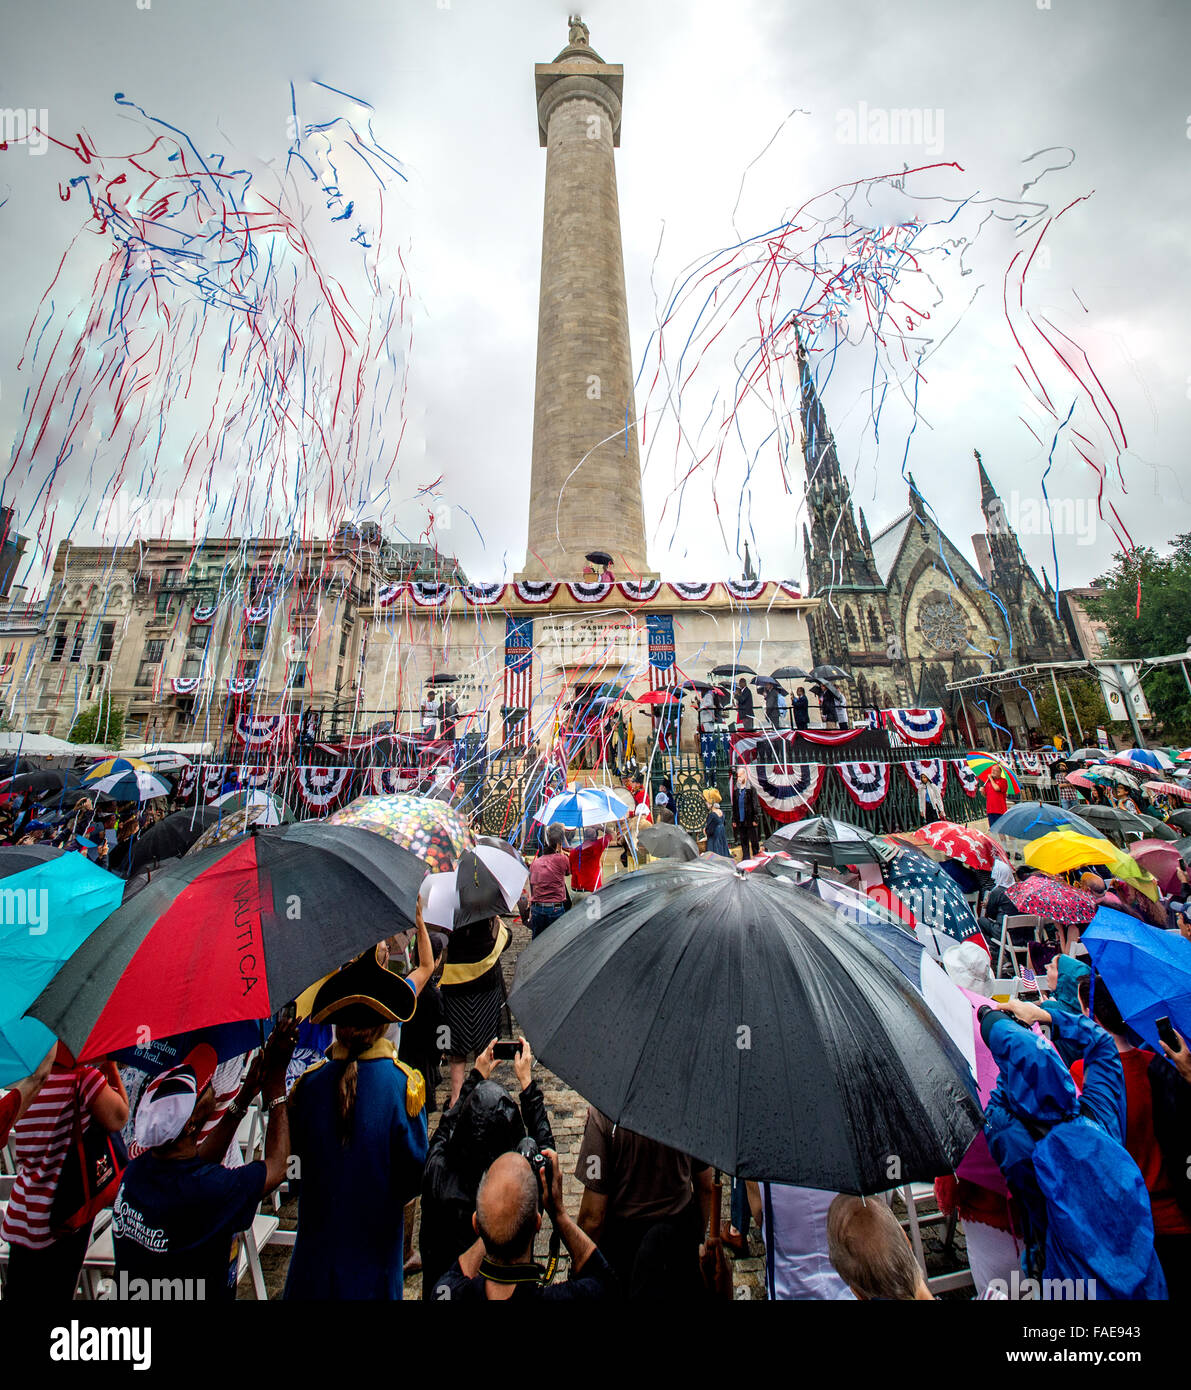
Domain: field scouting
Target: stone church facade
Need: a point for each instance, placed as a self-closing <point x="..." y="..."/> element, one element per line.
<point x="904" y="610"/>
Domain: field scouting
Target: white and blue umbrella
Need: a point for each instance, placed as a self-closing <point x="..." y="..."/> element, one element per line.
<point x="1146" y="759"/>
<point x="582" y="806"/>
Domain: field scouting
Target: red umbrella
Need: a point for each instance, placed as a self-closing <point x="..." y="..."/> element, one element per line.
<point x="970" y="846"/>
<point x="659" y="697"/>
<point x="1043" y="895"/>
<point x="1162" y="860"/>
<point x="1077" y="779"/>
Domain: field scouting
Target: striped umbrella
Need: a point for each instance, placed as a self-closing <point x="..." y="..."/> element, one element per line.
<point x="983" y="764"/>
<point x="1168" y="789"/>
<point x="584" y="806"/>
<point x="110" y="767"/>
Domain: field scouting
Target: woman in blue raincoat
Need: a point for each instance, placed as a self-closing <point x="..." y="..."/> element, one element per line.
<point x="1087" y="1212"/>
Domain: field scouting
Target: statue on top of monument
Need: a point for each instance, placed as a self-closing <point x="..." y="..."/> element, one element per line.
<point x="579" y="36"/>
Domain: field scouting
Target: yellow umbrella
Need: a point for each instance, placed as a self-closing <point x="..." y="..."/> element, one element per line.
<point x="1063" y="850"/>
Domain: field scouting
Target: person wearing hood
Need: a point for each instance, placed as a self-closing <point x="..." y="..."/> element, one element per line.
<point x="484" y="1123"/>
<point x="1085" y="1209"/>
<point x="1063" y="975"/>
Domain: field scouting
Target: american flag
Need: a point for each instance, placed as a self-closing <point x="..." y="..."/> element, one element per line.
<point x="518" y="688"/>
<point x="1029" y="981"/>
<point x="664" y="679"/>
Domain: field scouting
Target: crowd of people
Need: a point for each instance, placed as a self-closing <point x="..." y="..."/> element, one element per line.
<point x="385" y="1190"/>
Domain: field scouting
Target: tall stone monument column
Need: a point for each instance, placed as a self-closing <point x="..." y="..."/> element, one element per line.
<point x="586" y="474"/>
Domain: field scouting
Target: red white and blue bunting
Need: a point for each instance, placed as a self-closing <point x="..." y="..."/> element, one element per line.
<point x="595" y="592"/>
<point x="184" y="685"/>
<point x="791" y="588"/>
<point x="692" y="593"/>
<point x="388" y="593"/>
<point x="787" y="791"/>
<point x="204" y="613"/>
<point x="256" y="730"/>
<point x="745" y="590"/>
<point x="967" y="778"/>
<point x="320" y="788"/>
<point x="1029" y="763"/>
<point x="866" y="783"/>
<point x="387" y="781"/>
<point x="916" y="725"/>
<point x="933" y="769"/>
<point x="744" y="746"/>
<point x="257" y="614"/>
<point x="483" y="595"/>
<point x="640" y="591"/>
<point x="429" y="595"/>
<point x="237" y="685"/>
<point x="535" y="591"/>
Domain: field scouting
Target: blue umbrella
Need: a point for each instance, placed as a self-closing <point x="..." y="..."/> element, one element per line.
<point x="933" y="896"/>
<point x="586" y="806"/>
<point x="1030" y="820"/>
<point x="46" y="913"/>
<point x="1148" y="971"/>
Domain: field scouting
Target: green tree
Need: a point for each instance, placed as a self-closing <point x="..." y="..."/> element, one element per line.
<point x="99" y="724"/>
<point x="1146" y="606"/>
<point x="1089" y="706"/>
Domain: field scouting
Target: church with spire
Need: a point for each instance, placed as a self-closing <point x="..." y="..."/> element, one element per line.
<point x="904" y="609"/>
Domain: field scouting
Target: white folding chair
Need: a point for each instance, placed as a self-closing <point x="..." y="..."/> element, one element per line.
<point x="252" y="1242"/>
<point x="922" y="1210"/>
<point x="1006" y="945"/>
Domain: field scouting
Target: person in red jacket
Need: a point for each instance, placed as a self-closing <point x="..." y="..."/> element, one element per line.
<point x="587" y="861"/>
<point x="996" y="785"/>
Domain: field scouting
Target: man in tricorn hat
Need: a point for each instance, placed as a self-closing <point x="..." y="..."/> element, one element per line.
<point x="358" y="1134"/>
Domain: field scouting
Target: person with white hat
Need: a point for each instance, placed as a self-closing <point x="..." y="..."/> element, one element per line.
<point x="179" y="1211"/>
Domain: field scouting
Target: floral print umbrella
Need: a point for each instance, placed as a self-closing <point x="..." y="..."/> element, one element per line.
<point x="428" y="828"/>
<point x="1042" y="895"/>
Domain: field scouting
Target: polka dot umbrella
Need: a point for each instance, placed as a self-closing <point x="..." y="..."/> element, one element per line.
<point x="428" y="828"/>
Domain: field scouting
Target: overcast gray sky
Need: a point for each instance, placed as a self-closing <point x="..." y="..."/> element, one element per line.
<point x="707" y="85"/>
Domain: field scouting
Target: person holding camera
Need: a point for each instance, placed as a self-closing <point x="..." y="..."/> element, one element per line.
<point x="500" y="1266"/>
<point x="484" y="1123"/>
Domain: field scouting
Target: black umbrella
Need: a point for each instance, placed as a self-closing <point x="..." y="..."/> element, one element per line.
<point x="15" y="859"/>
<point x="823" y="840"/>
<point x="1116" y="825"/>
<point x="668" y="842"/>
<point x="1158" y="829"/>
<point x="171" y="837"/>
<point x="47" y="779"/>
<point x="1183" y="845"/>
<point x="748" y="1026"/>
<point x="598" y="557"/>
<point x="732" y="671"/>
<point x="1182" y="819"/>
<point x="829" y="673"/>
<point x="791" y="673"/>
<point x="762" y="682"/>
<point x="231" y="933"/>
<point x="444" y="678"/>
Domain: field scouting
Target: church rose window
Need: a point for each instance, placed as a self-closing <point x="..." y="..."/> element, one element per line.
<point x="943" y="625"/>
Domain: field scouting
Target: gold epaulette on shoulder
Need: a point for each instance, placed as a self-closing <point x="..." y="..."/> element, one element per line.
<point x="415" y="1089"/>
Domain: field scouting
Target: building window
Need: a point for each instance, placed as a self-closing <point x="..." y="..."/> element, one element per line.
<point x="1038" y="624"/>
<point x="254" y="637"/>
<point x="191" y="668"/>
<point x="297" y="679"/>
<point x="247" y="670"/>
<point x="107" y="634"/>
<point x="173" y="579"/>
<point x="343" y="643"/>
<point x="76" y="650"/>
<point x="850" y="626"/>
<point x="147" y="674"/>
<point x="154" y="650"/>
<point x="874" y="625"/>
<point x="165" y="605"/>
<point x="1102" y="641"/>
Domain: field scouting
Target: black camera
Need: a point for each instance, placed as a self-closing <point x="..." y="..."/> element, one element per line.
<point x="538" y="1161"/>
